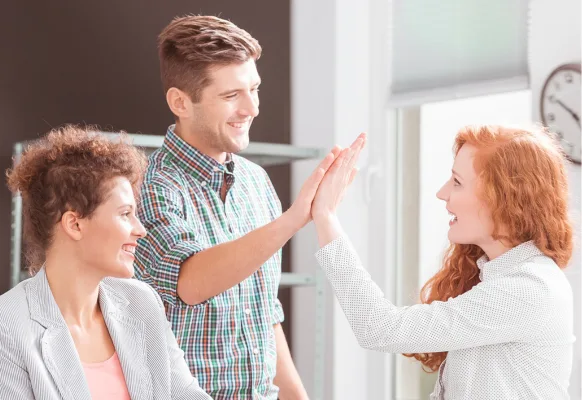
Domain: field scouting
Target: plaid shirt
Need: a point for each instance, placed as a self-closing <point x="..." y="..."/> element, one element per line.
<point x="228" y="340"/>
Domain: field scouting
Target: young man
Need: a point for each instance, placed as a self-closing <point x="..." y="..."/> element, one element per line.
<point x="214" y="220"/>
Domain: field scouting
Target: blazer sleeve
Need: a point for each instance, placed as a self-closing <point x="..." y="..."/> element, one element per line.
<point x="184" y="385"/>
<point x="14" y="379"/>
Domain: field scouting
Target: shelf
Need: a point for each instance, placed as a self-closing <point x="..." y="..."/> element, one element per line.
<point x="289" y="279"/>
<point x="261" y="153"/>
<point x="264" y="154"/>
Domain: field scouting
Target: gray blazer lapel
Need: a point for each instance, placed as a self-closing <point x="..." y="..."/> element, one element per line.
<point x="128" y="335"/>
<point x="58" y="349"/>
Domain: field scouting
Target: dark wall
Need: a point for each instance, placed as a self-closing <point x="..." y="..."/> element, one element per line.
<point x="96" y="62"/>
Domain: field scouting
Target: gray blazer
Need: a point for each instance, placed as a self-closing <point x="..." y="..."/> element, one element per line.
<point x="38" y="358"/>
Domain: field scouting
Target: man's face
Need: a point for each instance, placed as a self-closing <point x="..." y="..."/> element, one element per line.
<point x="219" y="123"/>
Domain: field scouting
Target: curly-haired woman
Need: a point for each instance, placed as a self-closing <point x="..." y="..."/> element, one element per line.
<point x="78" y="329"/>
<point x="496" y="320"/>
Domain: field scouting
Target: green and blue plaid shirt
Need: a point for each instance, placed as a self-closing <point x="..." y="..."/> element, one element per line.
<point x="228" y="340"/>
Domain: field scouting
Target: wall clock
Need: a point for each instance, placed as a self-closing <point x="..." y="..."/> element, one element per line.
<point x="560" y="107"/>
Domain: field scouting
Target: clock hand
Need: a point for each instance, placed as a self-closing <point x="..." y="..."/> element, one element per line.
<point x="572" y="113"/>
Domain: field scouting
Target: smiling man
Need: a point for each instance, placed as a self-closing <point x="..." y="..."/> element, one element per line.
<point x="215" y="224"/>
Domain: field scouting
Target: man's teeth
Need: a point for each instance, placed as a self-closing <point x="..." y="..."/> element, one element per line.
<point x="453" y="217"/>
<point x="238" y="125"/>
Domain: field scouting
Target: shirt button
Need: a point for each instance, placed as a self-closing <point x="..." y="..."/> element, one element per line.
<point x="216" y="169"/>
<point x="248" y="311"/>
<point x="256" y="351"/>
<point x="203" y="183"/>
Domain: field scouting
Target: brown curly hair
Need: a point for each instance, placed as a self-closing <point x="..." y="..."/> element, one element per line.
<point x="190" y="45"/>
<point x="522" y="178"/>
<point x="68" y="170"/>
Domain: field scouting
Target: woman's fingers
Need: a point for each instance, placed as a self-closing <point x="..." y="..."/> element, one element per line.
<point x="340" y="160"/>
<point x="356" y="147"/>
<point x="353" y="175"/>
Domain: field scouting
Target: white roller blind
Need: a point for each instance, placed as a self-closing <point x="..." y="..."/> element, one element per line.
<point x="457" y="48"/>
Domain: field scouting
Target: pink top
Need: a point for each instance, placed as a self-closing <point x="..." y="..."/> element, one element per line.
<point x="106" y="380"/>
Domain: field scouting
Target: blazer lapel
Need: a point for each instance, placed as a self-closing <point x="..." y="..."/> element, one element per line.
<point x="58" y="349"/>
<point x="128" y="335"/>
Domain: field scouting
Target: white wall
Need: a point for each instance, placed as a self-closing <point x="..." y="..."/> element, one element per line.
<point x="555" y="38"/>
<point x="339" y="83"/>
<point x="338" y="79"/>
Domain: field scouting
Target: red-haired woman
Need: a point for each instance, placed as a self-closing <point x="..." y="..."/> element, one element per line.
<point x="496" y="320"/>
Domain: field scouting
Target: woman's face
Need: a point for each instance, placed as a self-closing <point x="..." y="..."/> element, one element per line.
<point x="110" y="235"/>
<point x="471" y="221"/>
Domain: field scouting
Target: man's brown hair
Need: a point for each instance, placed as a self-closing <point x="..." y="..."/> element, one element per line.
<point x="190" y="45"/>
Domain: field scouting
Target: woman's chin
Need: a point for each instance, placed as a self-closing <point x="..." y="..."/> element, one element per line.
<point x="123" y="271"/>
<point x="454" y="237"/>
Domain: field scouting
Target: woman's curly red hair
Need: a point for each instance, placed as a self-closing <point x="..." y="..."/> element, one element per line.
<point x="522" y="178"/>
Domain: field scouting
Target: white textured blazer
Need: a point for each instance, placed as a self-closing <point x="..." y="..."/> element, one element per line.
<point x="38" y="358"/>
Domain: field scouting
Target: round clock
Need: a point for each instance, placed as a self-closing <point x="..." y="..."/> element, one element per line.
<point x="560" y="107"/>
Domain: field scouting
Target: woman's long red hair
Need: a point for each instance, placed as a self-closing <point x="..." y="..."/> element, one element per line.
<point x="523" y="181"/>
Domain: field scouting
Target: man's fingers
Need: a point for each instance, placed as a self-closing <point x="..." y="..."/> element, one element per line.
<point x="312" y="183"/>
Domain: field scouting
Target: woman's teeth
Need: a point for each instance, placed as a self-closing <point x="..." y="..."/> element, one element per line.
<point x="129" y="248"/>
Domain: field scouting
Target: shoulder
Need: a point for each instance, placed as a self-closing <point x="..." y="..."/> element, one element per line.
<point x="548" y="277"/>
<point x="537" y="282"/>
<point x="138" y="294"/>
<point x="163" y="180"/>
<point x="14" y="304"/>
<point x="15" y="316"/>
<point x="541" y="269"/>
<point x="249" y="168"/>
<point x="162" y="170"/>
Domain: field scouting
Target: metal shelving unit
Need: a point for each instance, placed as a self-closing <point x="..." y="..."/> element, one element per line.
<point x="264" y="154"/>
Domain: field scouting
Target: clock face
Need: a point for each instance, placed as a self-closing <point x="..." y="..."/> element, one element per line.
<point x="560" y="107"/>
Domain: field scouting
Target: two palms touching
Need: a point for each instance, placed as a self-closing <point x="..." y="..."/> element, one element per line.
<point x="324" y="189"/>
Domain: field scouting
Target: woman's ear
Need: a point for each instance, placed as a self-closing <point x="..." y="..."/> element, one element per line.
<point x="71" y="225"/>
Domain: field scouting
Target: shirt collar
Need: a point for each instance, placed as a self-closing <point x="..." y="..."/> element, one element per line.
<point x="202" y="167"/>
<point x="513" y="257"/>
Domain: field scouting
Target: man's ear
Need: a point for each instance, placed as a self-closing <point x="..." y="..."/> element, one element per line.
<point x="72" y="225"/>
<point x="179" y="102"/>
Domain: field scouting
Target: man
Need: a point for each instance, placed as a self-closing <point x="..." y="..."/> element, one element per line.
<point x="215" y="225"/>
